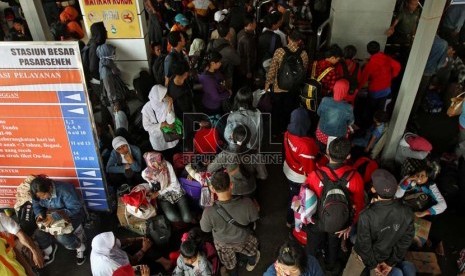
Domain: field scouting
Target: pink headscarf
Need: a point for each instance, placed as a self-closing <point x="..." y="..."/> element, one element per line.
<point x="153" y="174"/>
<point x="340" y="90"/>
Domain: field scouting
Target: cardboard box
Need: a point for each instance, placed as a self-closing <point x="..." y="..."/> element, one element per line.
<point x="132" y="223"/>
<point x="425" y="262"/>
<point x="422" y="228"/>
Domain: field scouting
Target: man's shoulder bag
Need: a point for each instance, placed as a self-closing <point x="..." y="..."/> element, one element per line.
<point x="228" y="218"/>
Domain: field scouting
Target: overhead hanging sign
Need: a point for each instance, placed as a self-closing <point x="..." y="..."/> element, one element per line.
<point x="119" y="16"/>
<point x="46" y="123"/>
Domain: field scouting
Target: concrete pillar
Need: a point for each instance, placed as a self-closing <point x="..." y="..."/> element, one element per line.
<point x="358" y="22"/>
<point x="36" y="20"/>
<point x="127" y="31"/>
<point x="427" y="27"/>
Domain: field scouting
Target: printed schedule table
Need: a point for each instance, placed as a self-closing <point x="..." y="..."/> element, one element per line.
<point x="49" y="133"/>
<point x="47" y="129"/>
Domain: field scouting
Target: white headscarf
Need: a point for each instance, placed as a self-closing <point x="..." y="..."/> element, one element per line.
<point x="107" y="255"/>
<point x="117" y="142"/>
<point x="160" y="107"/>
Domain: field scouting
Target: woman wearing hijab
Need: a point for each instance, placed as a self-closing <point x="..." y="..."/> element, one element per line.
<point x="114" y="87"/>
<point x="107" y="257"/>
<point x="157" y="113"/>
<point x="300" y="154"/>
<point x="336" y="115"/>
<point x="171" y="197"/>
<point x="98" y="37"/>
<point x="124" y="164"/>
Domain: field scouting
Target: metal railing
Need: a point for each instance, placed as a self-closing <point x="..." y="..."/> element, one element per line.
<point x="319" y="34"/>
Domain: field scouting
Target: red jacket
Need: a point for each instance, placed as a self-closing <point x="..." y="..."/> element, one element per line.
<point x="355" y="186"/>
<point x="300" y="153"/>
<point x="379" y="72"/>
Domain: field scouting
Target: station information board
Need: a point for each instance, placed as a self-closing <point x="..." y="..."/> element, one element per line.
<point x="46" y="123"/>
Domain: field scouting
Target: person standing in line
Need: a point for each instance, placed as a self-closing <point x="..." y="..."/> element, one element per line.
<point x="235" y="237"/>
<point x="385" y="230"/>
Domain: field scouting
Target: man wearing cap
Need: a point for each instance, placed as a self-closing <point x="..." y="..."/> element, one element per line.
<point x="222" y="17"/>
<point x="385" y="230"/>
<point x="180" y="23"/>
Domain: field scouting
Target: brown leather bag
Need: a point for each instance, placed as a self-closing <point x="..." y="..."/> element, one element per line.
<point x="456" y="104"/>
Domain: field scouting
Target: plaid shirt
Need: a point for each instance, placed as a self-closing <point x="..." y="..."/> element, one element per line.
<point x="330" y="79"/>
<point x="227" y="251"/>
<point x="272" y="76"/>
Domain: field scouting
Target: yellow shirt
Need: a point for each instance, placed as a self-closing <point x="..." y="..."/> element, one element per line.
<point x="9" y="266"/>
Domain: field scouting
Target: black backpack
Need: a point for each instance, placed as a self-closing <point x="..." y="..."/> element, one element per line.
<point x="143" y="84"/>
<point x="311" y="93"/>
<point x="158" y="70"/>
<point x="26" y="218"/>
<point x="292" y="72"/>
<point x="159" y="229"/>
<point x="335" y="210"/>
<point x="58" y="30"/>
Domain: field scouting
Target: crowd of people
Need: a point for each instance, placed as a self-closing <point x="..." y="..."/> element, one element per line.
<point x="216" y="70"/>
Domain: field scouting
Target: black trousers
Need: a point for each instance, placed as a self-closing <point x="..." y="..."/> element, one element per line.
<point x="318" y="241"/>
<point x="283" y="104"/>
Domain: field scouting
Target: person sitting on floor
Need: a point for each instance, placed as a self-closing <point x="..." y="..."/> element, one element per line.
<point x="53" y="201"/>
<point x="191" y="262"/>
<point x="292" y="260"/>
<point x="108" y="258"/>
<point x="124" y="165"/>
<point x="171" y="197"/>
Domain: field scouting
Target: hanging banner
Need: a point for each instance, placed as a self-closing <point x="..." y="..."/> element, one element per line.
<point x="46" y="123"/>
<point x="119" y="16"/>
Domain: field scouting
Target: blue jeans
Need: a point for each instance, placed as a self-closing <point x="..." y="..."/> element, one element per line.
<point x="294" y="189"/>
<point x="177" y="212"/>
<point x="404" y="268"/>
<point x="69" y="241"/>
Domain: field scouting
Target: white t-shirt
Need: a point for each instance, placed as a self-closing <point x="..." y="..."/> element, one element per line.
<point x="8" y="225"/>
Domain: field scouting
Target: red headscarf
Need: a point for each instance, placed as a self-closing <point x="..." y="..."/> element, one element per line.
<point x="340" y="90"/>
